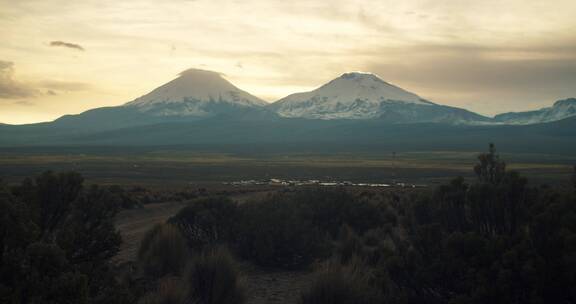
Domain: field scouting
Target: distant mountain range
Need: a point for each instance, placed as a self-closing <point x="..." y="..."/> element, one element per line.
<point x="560" y="110"/>
<point x="201" y="107"/>
<point x="199" y="94"/>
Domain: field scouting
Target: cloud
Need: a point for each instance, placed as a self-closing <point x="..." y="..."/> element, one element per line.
<point x="194" y="72"/>
<point x="67" y="45"/>
<point x="484" y="79"/>
<point x="23" y="103"/>
<point x="68" y="86"/>
<point x="11" y="88"/>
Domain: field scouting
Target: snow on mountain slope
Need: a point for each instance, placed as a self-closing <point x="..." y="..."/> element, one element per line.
<point x="352" y="95"/>
<point x="359" y="95"/>
<point x="560" y="110"/>
<point x="195" y="93"/>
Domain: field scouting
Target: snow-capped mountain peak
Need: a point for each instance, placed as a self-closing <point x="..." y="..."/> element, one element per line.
<point x="565" y="103"/>
<point x="353" y="95"/>
<point x="561" y="109"/>
<point x="194" y="93"/>
<point x="369" y="87"/>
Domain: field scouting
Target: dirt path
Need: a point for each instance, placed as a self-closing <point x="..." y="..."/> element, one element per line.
<point x="134" y="223"/>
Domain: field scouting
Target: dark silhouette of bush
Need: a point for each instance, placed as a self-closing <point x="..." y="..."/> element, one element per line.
<point x="207" y="222"/>
<point x="56" y="239"/>
<point x="497" y="240"/>
<point x="335" y="283"/>
<point x="490" y="169"/>
<point x="574" y="177"/>
<point x="330" y="208"/>
<point x="163" y="251"/>
<point x="349" y="245"/>
<point x="214" y="279"/>
<point x="89" y="234"/>
<point x="170" y="290"/>
<point x="277" y="233"/>
<point x="291" y="230"/>
<point x="127" y="199"/>
<point x="51" y="279"/>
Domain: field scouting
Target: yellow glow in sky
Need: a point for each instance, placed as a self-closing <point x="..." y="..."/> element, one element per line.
<point x="60" y="57"/>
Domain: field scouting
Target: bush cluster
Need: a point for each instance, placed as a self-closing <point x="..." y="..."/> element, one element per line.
<point x="163" y="251"/>
<point x="56" y="240"/>
<point x="337" y="283"/>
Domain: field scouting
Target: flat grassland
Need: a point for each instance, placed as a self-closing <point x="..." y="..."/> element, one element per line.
<point x="181" y="168"/>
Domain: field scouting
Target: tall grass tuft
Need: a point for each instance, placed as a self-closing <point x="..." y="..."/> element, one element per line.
<point x="170" y="290"/>
<point x="341" y="284"/>
<point x="350" y="245"/>
<point x="214" y="279"/>
<point x="163" y="251"/>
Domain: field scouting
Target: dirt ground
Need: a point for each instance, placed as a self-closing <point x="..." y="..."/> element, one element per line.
<point x="134" y="223"/>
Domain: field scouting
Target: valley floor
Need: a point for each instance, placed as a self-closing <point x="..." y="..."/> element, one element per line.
<point x="185" y="168"/>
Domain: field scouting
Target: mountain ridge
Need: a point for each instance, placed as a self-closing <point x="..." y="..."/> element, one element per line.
<point x="361" y="95"/>
<point x="197" y="93"/>
<point x="561" y="109"/>
<point x="214" y="118"/>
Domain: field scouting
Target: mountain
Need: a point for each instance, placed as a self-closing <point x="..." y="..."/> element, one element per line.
<point x="360" y="95"/>
<point x="196" y="93"/>
<point x="561" y="109"/>
<point x="356" y="111"/>
<point x="297" y="135"/>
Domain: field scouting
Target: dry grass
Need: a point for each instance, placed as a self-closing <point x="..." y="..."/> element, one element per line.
<point x="134" y="223"/>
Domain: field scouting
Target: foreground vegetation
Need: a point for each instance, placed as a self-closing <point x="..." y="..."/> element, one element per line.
<point x="497" y="239"/>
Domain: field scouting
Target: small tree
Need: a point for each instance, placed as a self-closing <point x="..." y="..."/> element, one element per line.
<point x="574" y="177"/>
<point x="55" y="195"/>
<point x="56" y="240"/>
<point x="490" y="169"/>
<point x="89" y="234"/>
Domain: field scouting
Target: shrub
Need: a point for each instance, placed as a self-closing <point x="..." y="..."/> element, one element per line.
<point x="207" y="221"/>
<point x="163" y="251"/>
<point x="214" y="279"/>
<point x="277" y="233"/>
<point x="291" y="230"/>
<point x="57" y="238"/>
<point x="170" y="290"/>
<point x="338" y="284"/>
<point x="126" y="199"/>
<point x="51" y="279"/>
<point x="329" y="209"/>
<point x="350" y="245"/>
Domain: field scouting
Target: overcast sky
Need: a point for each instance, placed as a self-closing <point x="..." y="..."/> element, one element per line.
<point x="60" y="57"/>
